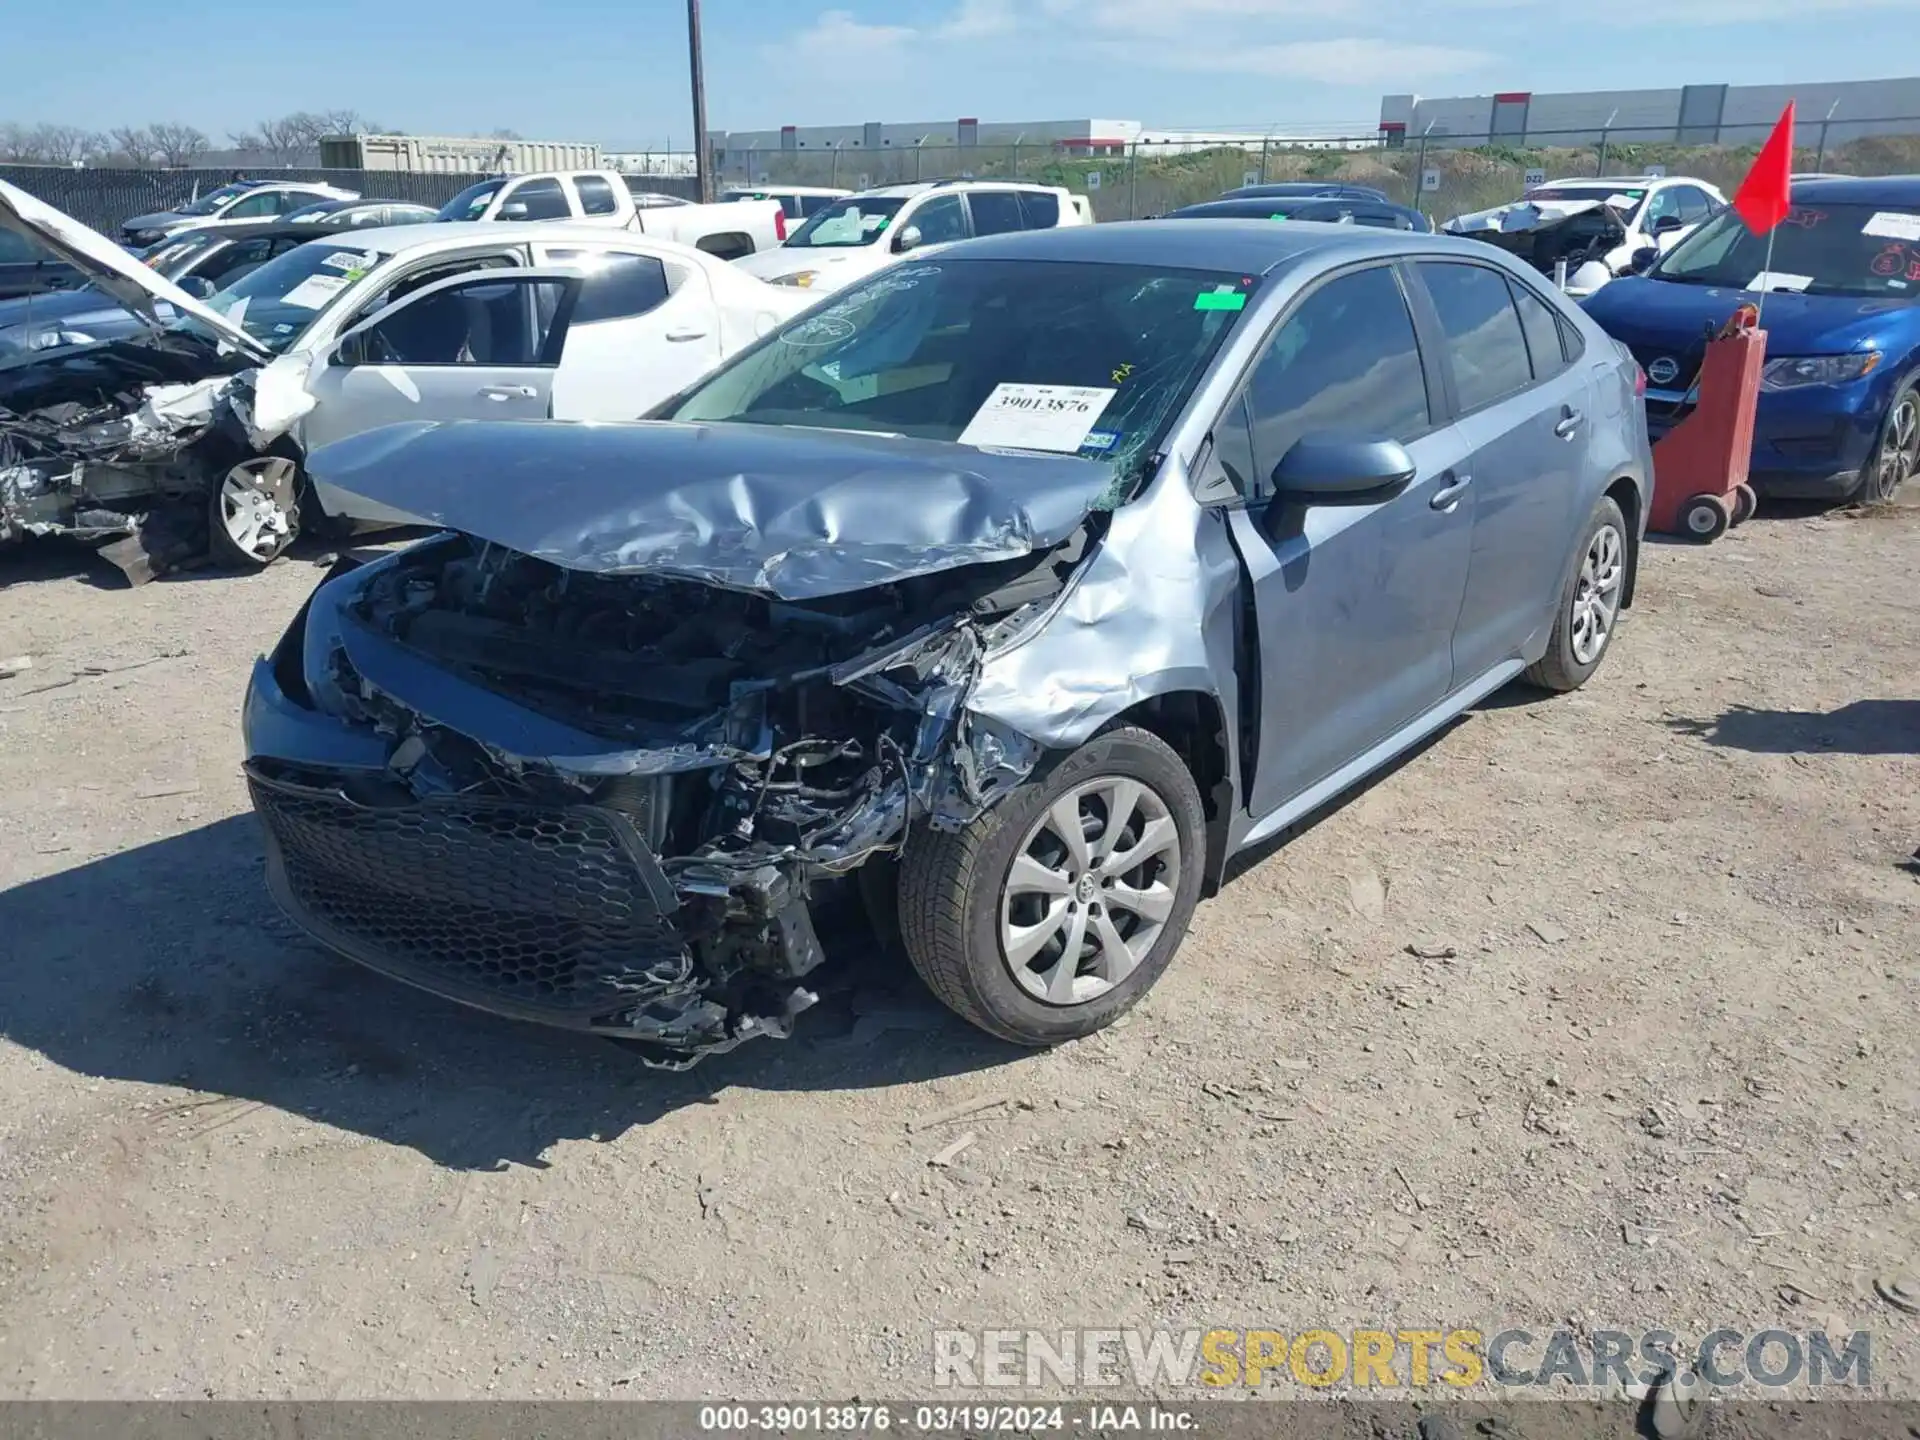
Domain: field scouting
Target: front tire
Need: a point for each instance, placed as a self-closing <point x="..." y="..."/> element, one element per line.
<point x="253" y="514"/>
<point x="1896" y="458"/>
<point x="1053" y="913"/>
<point x="1589" y="605"/>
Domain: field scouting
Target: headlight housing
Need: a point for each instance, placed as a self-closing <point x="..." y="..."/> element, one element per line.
<point x="1796" y="372"/>
<point x="802" y="278"/>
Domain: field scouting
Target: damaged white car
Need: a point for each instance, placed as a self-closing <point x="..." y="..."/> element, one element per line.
<point x="1597" y="227"/>
<point x="189" y="439"/>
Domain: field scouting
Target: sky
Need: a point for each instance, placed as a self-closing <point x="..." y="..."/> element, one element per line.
<point x="593" y="70"/>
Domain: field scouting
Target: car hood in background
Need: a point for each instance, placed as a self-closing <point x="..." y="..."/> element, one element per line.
<point x="1663" y="313"/>
<point x="787" y="512"/>
<point x="158" y="220"/>
<point x="111" y="269"/>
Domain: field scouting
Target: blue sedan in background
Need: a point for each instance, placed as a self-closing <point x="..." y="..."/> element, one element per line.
<point x="1839" y="414"/>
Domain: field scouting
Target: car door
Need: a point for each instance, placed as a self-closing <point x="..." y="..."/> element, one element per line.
<point x="643" y="328"/>
<point x="1353" y="605"/>
<point x="1523" y="414"/>
<point x="478" y="346"/>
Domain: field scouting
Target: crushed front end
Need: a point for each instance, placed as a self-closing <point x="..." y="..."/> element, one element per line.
<point x="120" y="443"/>
<point x="607" y="802"/>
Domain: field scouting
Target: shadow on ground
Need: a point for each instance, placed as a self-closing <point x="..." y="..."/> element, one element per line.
<point x="58" y="559"/>
<point x="1864" y="727"/>
<point x="168" y="964"/>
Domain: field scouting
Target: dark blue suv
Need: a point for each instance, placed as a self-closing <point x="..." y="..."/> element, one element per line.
<point x="1839" y="415"/>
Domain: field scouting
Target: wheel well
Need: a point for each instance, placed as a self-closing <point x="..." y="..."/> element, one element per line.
<point x="1192" y="723"/>
<point x="729" y="246"/>
<point x="1624" y="493"/>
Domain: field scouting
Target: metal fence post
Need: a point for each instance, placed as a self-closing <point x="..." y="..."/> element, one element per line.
<point x="1420" y="173"/>
<point x="1602" y="170"/>
<point x="1820" y="158"/>
<point x="1263" y="161"/>
<point x="1133" y="175"/>
<point x="1013" y="164"/>
<point x="833" y="164"/>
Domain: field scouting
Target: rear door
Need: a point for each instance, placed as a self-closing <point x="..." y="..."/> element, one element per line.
<point x="644" y="327"/>
<point x="996" y="212"/>
<point x="1353" y="605"/>
<point x="480" y="346"/>
<point x="1524" y="413"/>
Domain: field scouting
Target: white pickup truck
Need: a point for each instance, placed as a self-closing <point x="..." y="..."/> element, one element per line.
<point x="602" y="197"/>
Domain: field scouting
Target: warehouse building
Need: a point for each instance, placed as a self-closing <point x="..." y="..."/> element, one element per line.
<point x="1082" y="138"/>
<point x="1690" y="114"/>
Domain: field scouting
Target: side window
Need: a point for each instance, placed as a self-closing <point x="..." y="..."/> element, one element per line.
<point x="1039" y="210"/>
<point x="618" y="287"/>
<point x="1665" y="202"/>
<point x="1542" y="329"/>
<point x="940" y="219"/>
<point x="236" y="260"/>
<point x="543" y="199"/>
<point x="1346" y="360"/>
<point x="482" y="321"/>
<point x="995" y="212"/>
<point x="596" y="195"/>
<point x="257" y="207"/>
<point x="1694" y="204"/>
<point x="1482" y="330"/>
<point x="811" y="205"/>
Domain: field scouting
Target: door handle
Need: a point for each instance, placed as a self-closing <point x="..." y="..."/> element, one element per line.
<point x="508" y="392"/>
<point x="1448" y="495"/>
<point x="687" y="332"/>
<point x="1570" y="419"/>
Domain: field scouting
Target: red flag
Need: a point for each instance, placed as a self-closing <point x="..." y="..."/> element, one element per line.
<point x="1762" y="198"/>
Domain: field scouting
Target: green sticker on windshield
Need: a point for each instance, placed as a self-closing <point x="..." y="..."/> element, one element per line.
<point x="1280" y="215"/>
<point x="1225" y="298"/>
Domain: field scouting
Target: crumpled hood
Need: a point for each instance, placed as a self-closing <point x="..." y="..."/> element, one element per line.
<point x="787" y="512"/>
<point x="112" y="270"/>
<point x="1520" y="216"/>
<point x="1664" y="314"/>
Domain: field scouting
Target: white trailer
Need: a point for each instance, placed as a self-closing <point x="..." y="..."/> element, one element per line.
<point x="454" y="154"/>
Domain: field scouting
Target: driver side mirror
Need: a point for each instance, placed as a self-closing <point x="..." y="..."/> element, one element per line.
<point x="906" y="240"/>
<point x="1642" y="259"/>
<point x="1666" y="224"/>
<point x="514" y="210"/>
<point x="1324" y="469"/>
<point x="198" y="286"/>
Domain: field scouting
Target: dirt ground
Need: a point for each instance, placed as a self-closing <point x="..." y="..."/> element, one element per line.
<point x="1598" y="1009"/>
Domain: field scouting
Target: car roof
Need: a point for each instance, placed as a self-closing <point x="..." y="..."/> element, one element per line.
<point x="921" y="187"/>
<point x="1861" y="190"/>
<point x="248" y="230"/>
<point x="1252" y="247"/>
<point x="458" y="234"/>
<point x="1262" y="207"/>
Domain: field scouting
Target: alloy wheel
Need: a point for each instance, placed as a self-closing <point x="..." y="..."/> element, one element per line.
<point x="1090" y="890"/>
<point x="1900" y="451"/>
<point x="1596" y="595"/>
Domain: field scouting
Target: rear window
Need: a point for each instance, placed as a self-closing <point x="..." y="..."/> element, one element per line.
<point x="543" y="199"/>
<point x="1039" y="209"/>
<point x="596" y="195"/>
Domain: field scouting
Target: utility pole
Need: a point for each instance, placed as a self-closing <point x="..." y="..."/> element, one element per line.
<point x="702" y="162"/>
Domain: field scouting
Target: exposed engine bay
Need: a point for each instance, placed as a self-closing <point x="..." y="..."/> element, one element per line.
<point x="755" y="749"/>
<point x="122" y="442"/>
<point x="1544" y="236"/>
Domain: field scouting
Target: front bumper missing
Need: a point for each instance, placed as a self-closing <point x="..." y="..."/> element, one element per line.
<point x="558" y="915"/>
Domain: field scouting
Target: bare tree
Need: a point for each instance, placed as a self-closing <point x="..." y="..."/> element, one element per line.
<point x="66" y="144"/>
<point x="133" y="145"/>
<point x="178" y="145"/>
<point x="503" y="133"/>
<point x="16" y="144"/>
<point x="282" y="140"/>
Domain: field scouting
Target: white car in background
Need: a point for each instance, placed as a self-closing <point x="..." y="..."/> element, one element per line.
<point x="236" y="204"/>
<point x="801" y="202"/>
<point x="854" y="237"/>
<point x="1599" y="224"/>
<point x="348" y="332"/>
<point x="608" y="198"/>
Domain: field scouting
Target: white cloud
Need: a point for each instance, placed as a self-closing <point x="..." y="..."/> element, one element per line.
<point x="976" y="19"/>
<point x="836" y="35"/>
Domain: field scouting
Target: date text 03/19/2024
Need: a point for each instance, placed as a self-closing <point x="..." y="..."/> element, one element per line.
<point x="941" y="1419"/>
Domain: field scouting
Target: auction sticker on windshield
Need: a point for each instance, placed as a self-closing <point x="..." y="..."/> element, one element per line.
<point x="1768" y="280"/>
<point x="1037" y="417"/>
<point x="315" y="291"/>
<point x="1892" y="225"/>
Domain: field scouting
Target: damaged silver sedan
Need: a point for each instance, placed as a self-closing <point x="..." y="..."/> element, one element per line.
<point x="1011" y="592"/>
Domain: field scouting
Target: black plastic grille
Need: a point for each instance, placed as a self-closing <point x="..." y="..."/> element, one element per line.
<point x="551" y="909"/>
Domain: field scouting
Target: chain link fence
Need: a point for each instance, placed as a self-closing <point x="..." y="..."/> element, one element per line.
<point x="1443" y="175"/>
<point x="104" y="198"/>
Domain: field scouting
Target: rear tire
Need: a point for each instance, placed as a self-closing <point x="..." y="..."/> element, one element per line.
<point x="1588" y="611"/>
<point x="990" y="913"/>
